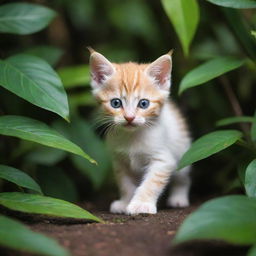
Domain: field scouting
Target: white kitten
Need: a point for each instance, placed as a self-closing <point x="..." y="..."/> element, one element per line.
<point x="147" y="136"/>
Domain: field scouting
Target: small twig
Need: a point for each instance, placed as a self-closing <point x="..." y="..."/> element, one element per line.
<point x="234" y="103"/>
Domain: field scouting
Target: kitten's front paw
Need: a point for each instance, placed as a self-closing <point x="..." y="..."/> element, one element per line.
<point x="178" y="201"/>
<point x="118" y="206"/>
<point x="138" y="207"/>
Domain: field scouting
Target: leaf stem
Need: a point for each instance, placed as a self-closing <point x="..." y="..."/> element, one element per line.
<point x="246" y="145"/>
<point x="236" y="107"/>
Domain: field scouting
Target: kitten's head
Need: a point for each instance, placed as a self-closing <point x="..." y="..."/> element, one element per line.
<point x="131" y="95"/>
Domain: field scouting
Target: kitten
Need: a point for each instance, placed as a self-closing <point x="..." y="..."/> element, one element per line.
<point x="147" y="136"/>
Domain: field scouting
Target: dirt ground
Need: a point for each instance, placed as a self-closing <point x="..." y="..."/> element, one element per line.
<point x="142" y="235"/>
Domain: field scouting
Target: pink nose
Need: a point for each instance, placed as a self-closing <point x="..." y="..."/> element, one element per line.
<point x="129" y="119"/>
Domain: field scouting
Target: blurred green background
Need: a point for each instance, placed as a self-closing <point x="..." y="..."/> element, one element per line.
<point x="126" y="30"/>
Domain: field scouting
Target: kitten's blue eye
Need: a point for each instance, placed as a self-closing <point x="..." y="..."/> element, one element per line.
<point x="143" y="103"/>
<point x="116" y="103"/>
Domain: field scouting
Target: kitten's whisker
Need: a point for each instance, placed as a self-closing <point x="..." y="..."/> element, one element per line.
<point x="102" y="121"/>
<point x="108" y="128"/>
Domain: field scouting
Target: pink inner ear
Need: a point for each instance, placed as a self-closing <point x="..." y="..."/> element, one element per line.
<point x="160" y="70"/>
<point x="100" y="68"/>
<point x="100" y="72"/>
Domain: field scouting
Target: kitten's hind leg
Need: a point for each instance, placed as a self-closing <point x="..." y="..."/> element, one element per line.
<point x="127" y="188"/>
<point x="179" y="188"/>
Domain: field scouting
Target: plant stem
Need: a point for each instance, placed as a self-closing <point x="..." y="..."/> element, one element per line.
<point x="234" y="103"/>
<point x="246" y="145"/>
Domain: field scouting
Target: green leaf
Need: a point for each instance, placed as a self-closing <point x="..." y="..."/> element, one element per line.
<point x="208" y="145"/>
<point x="229" y="218"/>
<point x="209" y="70"/>
<point x="19" y="178"/>
<point x="234" y="120"/>
<point x="142" y="24"/>
<point x="24" y="18"/>
<point x="82" y="134"/>
<point x="56" y="183"/>
<point x="82" y="99"/>
<point x="250" y="179"/>
<point x="33" y="130"/>
<point x="241" y="29"/>
<point x="50" y="54"/>
<point x="184" y="15"/>
<point x="75" y="76"/>
<point x="252" y="251"/>
<point x="239" y="4"/>
<point x="15" y="235"/>
<point x="34" y="80"/>
<point x="253" y="129"/>
<point x="37" y="204"/>
<point x="45" y="156"/>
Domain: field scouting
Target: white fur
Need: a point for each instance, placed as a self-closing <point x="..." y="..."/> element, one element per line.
<point x="146" y="156"/>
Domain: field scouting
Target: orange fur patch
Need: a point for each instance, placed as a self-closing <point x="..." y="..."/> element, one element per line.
<point x="130" y="81"/>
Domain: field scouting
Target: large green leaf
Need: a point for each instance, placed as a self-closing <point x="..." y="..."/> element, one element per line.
<point x="184" y="15"/>
<point x="49" y="53"/>
<point x="230" y="218"/>
<point x="75" y="76"/>
<point x="209" y="70"/>
<point x="253" y="129"/>
<point x="240" y="4"/>
<point x="24" y="18"/>
<point x="34" y="80"/>
<point x="234" y="120"/>
<point x="37" y="204"/>
<point x="208" y="145"/>
<point x="250" y="179"/>
<point x="15" y="235"/>
<point x="33" y="130"/>
<point x="18" y="177"/>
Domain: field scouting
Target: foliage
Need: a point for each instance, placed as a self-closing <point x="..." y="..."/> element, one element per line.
<point x="208" y="145"/>
<point x="184" y="15"/>
<point x="19" y="178"/>
<point x="250" y="182"/>
<point x="209" y="70"/>
<point x="229" y="218"/>
<point x="214" y="48"/>
<point x="16" y="235"/>
<point x="31" y="203"/>
<point x="29" y="129"/>
<point x="43" y="86"/>
<point x="24" y="18"/>
<point x="30" y="77"/>
<point x="240" y="4"/>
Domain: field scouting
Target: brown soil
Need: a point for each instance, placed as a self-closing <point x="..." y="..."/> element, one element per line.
<point x="142" y="235"/>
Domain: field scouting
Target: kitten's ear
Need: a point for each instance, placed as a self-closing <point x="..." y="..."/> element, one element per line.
<point x="101" y="68"/>
<point x="160" y="71"/>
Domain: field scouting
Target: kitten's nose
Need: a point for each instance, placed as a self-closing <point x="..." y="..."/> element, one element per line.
<point x="129" y="119"/>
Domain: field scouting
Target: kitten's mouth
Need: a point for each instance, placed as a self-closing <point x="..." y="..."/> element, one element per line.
<point x="130" y="125"/>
